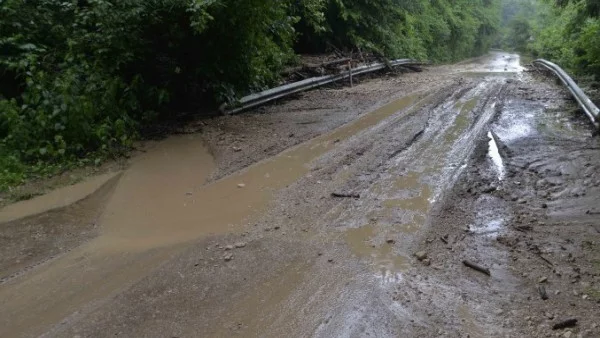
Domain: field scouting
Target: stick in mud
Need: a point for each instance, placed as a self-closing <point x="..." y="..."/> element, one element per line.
<point x="342" y="195"/>
<point x="477" y="267"/>
<point x="545" y="260"/>
<point x="564" y="324"/>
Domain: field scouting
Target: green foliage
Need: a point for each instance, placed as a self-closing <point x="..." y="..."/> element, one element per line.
<point x="566" y="32"/>
<point x="440" y="30"/>
<point x="79" y="78"/>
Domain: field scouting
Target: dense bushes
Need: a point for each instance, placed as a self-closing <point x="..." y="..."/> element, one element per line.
<point x="79" y="77"/>
<point x="564" y="31"/>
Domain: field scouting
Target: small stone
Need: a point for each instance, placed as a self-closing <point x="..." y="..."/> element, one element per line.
<point x="427" y="262"/>
<point x="189" y="193"/>
<point x="568" y="334"/>
<point x="584" y="297"/>
<point x="330" y="260"/>
<point x="391" y="241"/>
<point x="240" y="244"/>
<point x="499" y="312"/>
<point x="543" y="280"/>
<point x="544" y="206"/>
<point x="228" y="257"/>
<point x="421" y="255"/>
<point x="241" y="185"/>
<point x="237" y="149"/>
<point x="229" y="247"/>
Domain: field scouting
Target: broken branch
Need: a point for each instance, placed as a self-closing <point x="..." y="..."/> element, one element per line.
<point x="343" y="195"/>
<point x="477" y="267"/>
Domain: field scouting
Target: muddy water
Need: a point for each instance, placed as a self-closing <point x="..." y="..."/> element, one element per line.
<point x="56" y="199"/>
<point x="149" y="210"/>
<point x="362" y="244"/>
<point x="161" y="203"/>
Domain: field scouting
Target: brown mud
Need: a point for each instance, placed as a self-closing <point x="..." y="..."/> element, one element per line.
<point x="233" y="230"/>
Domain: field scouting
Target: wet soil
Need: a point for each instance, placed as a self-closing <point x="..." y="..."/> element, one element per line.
<point x="233" y="230"/>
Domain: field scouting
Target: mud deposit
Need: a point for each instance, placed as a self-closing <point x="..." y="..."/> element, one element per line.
<point x="344" y="212"/>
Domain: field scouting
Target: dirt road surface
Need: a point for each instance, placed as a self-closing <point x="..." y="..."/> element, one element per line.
<point x="343" y="212"/>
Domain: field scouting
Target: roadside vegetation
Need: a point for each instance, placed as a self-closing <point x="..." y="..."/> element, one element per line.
<point x="564" y="31"/>
<point x="79" y="79"/>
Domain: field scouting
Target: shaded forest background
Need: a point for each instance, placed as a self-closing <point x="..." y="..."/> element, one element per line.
<point x="564" y="31"/>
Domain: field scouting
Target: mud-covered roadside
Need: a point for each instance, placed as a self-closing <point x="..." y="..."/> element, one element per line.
<point x="314" y="264"/>
<point x="240" y="140"/>
<point x="531" y="218"/>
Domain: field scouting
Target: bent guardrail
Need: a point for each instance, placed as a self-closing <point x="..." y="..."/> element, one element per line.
<point x="266" y="96"/>
<point x="590" y="109"/>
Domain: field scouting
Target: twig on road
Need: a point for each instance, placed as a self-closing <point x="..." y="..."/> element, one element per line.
<point x="344" y="195"/>
<point x="477" y="267"/>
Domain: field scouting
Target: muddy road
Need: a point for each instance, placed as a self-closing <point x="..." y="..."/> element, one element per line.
<point x="344" y="212"/>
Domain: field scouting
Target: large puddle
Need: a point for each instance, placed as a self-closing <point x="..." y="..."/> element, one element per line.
<point x="158" y="203"/>
<point x="58" y="198"/>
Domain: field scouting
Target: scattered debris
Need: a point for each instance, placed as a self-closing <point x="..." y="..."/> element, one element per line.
<point x="228" y="256"/>
<point x="543" y="280"/>
<point x="564" y="324"/>
<point x="477" y="267"/>
<point x="343" y="195"/>
<point x="241" y="185"/>
<point x="240" y="244"/>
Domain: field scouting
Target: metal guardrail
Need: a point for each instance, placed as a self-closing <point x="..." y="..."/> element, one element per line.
<point x="584" y="101"/>
<point x="266" y="96"/>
